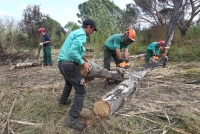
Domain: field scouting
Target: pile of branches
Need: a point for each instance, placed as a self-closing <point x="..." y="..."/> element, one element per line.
<point x="14" y="58"/>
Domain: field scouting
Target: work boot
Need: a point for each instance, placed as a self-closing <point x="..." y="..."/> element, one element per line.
<point x="66" y="103"/>
<point x="106" y="81"/>
<point x="75" y="123"/>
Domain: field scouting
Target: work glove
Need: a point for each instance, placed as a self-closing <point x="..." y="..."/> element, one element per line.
<point x="127" y="65"/>
<point x="121" y="64"/>
<point x="41" y="44"/>
<point x="155" y="57"/>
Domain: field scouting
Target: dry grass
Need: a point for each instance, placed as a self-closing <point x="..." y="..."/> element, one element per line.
<point x="163" y="102"/>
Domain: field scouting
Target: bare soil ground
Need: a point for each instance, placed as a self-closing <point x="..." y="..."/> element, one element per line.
<point x="163" y="102"/>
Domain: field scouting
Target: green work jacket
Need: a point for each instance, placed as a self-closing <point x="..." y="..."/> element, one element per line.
<point x="73" y="48"/>
<point x="153" y="47"/>
<point x="116" y="41"/>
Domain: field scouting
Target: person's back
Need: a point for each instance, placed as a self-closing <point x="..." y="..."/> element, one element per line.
<point x="77" y="38"/>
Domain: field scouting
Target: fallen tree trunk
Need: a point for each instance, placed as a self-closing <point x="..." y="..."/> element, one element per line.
<point x="98" y="71"/>
<point x="27" y="63"/>
<point x="109" y="103"/>
<point x="136" y="56"/>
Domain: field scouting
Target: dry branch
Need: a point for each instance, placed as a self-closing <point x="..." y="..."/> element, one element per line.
<point x="26" y="123"/>
<point x="8" y="119"/>
<point x="39" y="49"/>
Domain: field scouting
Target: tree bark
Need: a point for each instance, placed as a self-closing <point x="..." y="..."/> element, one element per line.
<point x="136" y="56"/>
<point x="39" y="49"/>
<point x="109" y="103"/>
<point x="173" y="23"/>
<point x="26" y="64"/>
<point x="98" y="71"/>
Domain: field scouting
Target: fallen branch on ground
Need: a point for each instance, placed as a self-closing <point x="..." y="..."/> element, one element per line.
<point x="27" y="123"/>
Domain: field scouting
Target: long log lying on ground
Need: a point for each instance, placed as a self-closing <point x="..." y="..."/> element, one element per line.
<point x="27" y="63"/>
<point x="98" y="71"/>
<point x="136" y="56"/>
<point x="109" y="103"/>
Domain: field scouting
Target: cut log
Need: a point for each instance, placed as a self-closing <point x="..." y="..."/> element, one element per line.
<point x="26" y="64"/>
<point x="29" y="63"/>
<point x="136" y="56"/>
<point x="98" y="71"/>
<point x="109" y="103"/>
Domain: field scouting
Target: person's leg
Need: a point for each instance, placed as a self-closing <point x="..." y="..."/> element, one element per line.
<point x="48" y="55"/>
<point x="67" y="88"/>
<point x="149" y="54"/>
<point x="74" y="77"/>
<point x="107" y="60"/>
<point x="45" y="56"/>
<point x="107" y="57"/>
<point x="80" y="91"/>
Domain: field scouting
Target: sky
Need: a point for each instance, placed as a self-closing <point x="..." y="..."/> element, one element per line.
<point x="62" y="11"/>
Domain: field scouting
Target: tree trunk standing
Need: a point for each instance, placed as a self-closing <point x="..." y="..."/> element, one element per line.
<point x="173" y="23"/>
<point x="1" y="49"/>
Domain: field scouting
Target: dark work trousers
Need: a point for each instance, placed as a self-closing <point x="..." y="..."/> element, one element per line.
<point x="107" y="57"/>
<point x="72" y="76"/>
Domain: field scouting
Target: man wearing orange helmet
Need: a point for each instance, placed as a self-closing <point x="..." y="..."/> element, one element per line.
<point x="112" y="48"/>
<point x="46" y="47"/>
<point x="153" y="49"/>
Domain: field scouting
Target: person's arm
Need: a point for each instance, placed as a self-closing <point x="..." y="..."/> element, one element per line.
<point x="86" y="67"/>
<point x="118" y="54"/>
<point x="158" y="51"/>
<point x="46" y="42"/>
<point x="126" y="54"/>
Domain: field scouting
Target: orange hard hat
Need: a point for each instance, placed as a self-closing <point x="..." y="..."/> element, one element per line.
<point x="131" y="33"/>
<point x="161" y="43"/>
<point x="40" y="30"/>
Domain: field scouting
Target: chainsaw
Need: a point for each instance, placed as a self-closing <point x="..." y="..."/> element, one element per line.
<point x="154" y="59"/>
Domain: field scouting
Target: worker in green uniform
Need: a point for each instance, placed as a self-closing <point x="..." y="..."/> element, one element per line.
<point x="46" y="43"/>
<point x="69" y="59"/>
<point x="153" y="50"/>
<point x="112" y="48"/>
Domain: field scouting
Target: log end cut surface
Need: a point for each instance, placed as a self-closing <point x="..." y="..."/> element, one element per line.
<point x="101" y="108"/>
